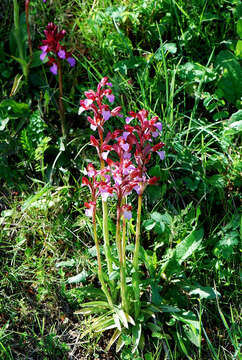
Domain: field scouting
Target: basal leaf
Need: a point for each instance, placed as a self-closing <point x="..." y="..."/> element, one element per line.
<point x="188" y="246"/>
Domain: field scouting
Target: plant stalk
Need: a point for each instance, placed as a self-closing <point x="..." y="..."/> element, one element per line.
<point x="105" y="228"/>
<point x="100" y="273"/>
<point x="121" y="262"/>
<point x="136" y="259"/>
<point x="61" y="105"/>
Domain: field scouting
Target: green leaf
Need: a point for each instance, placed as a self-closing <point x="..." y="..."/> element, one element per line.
<point x="188" y="317"/>
<point x="192" y="335"/>
<point x="149" y="224"/>
<point x="14" y="109"/>
<point x="188" y="246"/>
<point x="204" y="292"/>
<point x="156" y="217"/>
<point x="136" y="332"/>
<point x="78" y="278"/>
<point x="3" y="123"/>
<point x="238" y="49"/>
<point x="230" y="84"/>
<point x="194" y="72"/>
<point x="239" y="28"/>
<point x="217" y="181"/>
<point x="67" y="263"/>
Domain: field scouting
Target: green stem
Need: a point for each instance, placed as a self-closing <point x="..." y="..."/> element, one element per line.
<point x="121" y="262"/>
<point x="136" y="259"/>
<point x="61" y="106"/>
<point x="105" y="230"/>
<point x="100" y="273"/>
<point x="124" y="263"/>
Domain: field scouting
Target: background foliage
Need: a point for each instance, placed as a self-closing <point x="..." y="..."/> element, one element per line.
<point x="181" y="61"/>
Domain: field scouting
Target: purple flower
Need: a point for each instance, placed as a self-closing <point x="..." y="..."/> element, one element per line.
<point x="71" y="61"/>
<point x="110" y="98"/>
<point x="89" y="212"/>
<point x="43" y="55"/>
<point x="128" y="119"/>
<point x="125" y="147"/>
<point x="54" y="69"/>
<point x="109" y="84"/>
<point x="127" y="214"/>
<point x="155" y="134"/>
<point x="106" y="114"/>
<point x="62" y="54"/>
<point x="105" y="155"/>
<point x="158" y="126"/>
<point x="161" y="154"/>
<point x="126" y="155"/>
<point x="125" y="135"/>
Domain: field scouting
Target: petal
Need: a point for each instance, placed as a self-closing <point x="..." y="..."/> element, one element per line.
<point x="93" y="127"/>
<point x="81" y="109"/>
<point x="125" y="135"/>
<point x="110" y="98"/>
<point x="161" y="154"/>
<point x="62" y="54"/>
<point x="158" y="126"/>
<point x="71" y="61"/>
<point x="125" y="147"/>
<point x="127" y="214"/>
<point x="155" y="134"/>
<point x="128" y="119"/>
<point x="43" y="55"/>
<point x="106" y="114"/>
<point x="54" y="69"/>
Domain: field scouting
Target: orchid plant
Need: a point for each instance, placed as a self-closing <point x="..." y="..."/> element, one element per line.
<point x="55" y="52"/>
<point x="133" y="146"/>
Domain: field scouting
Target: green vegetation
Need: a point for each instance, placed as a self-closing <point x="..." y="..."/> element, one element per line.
<point x="181" y="61"/>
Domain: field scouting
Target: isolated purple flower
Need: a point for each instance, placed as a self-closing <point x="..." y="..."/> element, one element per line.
<point x="62" y="54"/>
<point x="158" y="126"/>
<point x="161" y="154"/>
<point x="109" y="84"/>
<point x="43" y="55"/>
<point x="71" y="61"/>
<point x="127" y="214"/>
<point x="54" y="69"/>
<point x="110" y="98"/>
<point x="88" y="212"/>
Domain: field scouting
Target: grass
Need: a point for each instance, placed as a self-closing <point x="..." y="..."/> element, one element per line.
<point x="170" y="57"/>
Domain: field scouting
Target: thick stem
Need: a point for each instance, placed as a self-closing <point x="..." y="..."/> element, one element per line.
<point x="123" y="246"/>
<point x="100" y="273"/>
<point x="136" y="259"/>
<point x="61" y="105"/>
<point x="121" y="262"/>
<point x="105" y="228"/>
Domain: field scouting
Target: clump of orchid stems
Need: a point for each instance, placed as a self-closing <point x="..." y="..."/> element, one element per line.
<point x="133" y="147"/>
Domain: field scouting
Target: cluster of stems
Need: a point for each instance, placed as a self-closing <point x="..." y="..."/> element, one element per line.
<point x="133" y="147"/>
